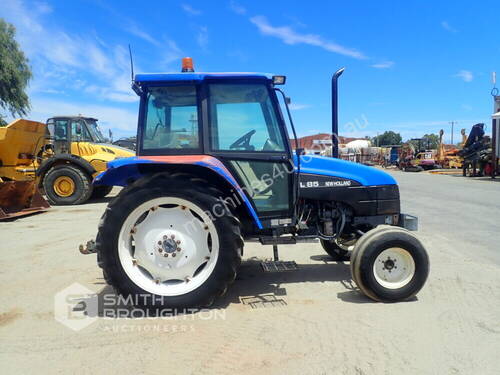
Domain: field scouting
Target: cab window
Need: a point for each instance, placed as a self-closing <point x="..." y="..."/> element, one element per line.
<point x="61" y="130"/>
<point x="79" y="132"/>
<point x="171" y="118"/>
<point x="242" y="118"/>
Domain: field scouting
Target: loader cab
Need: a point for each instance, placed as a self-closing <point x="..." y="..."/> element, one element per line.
<point x="64" y="130"/>
<point x="234" y="117"/>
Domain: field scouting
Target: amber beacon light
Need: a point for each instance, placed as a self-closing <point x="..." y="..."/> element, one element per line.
<point x="187" y="64"/>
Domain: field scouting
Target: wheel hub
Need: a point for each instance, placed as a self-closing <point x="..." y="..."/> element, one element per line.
<point x="64" y="186"/>
<point x="394" y="268"/>
<point x="389" y="264"/>
<point x="168" y="245"/>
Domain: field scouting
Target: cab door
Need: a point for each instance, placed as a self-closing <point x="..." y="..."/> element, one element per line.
<point x="59" y="131"/>
<point x="246" y="133"/>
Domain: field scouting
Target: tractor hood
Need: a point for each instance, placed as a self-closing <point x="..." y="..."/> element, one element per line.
<point x="333" y="167"/>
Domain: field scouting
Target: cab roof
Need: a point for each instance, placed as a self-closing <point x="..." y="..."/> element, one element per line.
<point x="199" y="76"/>
<point x="73" y="117"/>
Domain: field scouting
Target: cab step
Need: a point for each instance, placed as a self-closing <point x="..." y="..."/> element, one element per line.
<point x="272" y="240"/>
<point x="279" y="266"/>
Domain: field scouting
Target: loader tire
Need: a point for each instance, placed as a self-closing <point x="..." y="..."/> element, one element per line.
<point x="67" y="184"/>
<point x="148" y="214"/>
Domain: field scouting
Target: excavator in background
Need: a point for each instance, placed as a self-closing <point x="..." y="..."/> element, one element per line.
<point x="60" y="157"/>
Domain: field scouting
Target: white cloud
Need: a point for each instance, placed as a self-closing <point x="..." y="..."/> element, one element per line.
<point x="383" y="65"/>
<point x="445" y="25"/>
<point x="202" y="37"/>
<point x="465" y="75"/>
<point x="298" y="107"/>
<point x="237" y="8"/>
<point x="63" y="60"/>
<point x="42" y="7"/>
<point x="190" y="10"/>
<point x="173" y="52"/>
<point x="290" y="36"/>
<point x="135" y="30"/>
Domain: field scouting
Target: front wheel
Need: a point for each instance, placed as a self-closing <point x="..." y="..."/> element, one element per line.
<point x="164" y="246"/>
<point x="67" y="184"/>
<point x="390" y="265"/>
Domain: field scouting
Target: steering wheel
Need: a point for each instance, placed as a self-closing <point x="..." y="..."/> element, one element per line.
<point x="243" y="141"/>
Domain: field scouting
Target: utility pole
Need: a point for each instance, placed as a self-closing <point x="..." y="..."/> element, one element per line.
<point x="452" y="124"/>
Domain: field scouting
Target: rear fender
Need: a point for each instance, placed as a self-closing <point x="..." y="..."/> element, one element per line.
<point x="123" y="172"/>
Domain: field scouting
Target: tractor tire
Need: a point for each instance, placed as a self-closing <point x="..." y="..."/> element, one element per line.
<point x="355" y="259"/>
<point x="169" y="238"/>
<point x="101" y="191"/>
<point x="377" y="260"/>
<point x="335" y="251"/>
<point x="66" y="184"/>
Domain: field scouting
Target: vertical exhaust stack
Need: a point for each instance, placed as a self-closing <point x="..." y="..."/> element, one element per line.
<point x="335" y="114"/>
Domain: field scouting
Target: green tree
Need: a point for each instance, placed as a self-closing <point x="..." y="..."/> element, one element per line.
<point x="15" y="74"/>
<point x="430" y="141"/>
<point x="387" y="138"/>
<point x="427" y="142"/>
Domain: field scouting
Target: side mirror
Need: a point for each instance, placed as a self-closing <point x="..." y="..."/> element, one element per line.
<point x="288" y="101"/>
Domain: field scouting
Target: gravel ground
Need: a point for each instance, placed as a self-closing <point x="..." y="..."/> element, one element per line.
<point x="311" y="321"/>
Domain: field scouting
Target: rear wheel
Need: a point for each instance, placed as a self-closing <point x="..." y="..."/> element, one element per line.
<point x="390" y="265"/>
<point x="165" y="243"/>
<point x="67" y="184"/>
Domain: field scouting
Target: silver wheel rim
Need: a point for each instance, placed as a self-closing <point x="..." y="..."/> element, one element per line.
<point x="394" y="268"/>
<point x="168" y="246"/>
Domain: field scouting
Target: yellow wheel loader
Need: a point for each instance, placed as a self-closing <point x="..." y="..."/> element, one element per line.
<point x="62" y="156"/>
<point x="79" y="153"/>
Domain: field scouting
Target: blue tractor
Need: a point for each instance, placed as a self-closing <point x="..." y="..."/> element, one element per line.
<point x="214" y="169"/>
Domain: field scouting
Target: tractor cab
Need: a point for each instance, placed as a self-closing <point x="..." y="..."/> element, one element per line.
<point x="233" y="117"/>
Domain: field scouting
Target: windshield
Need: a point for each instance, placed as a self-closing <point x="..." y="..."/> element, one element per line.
<point x="243" y="118"/>
<point x="95" y="131"/>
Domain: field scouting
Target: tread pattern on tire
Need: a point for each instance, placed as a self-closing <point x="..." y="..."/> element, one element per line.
<point x="231" y="241"/>
<point x="86" y="182"/>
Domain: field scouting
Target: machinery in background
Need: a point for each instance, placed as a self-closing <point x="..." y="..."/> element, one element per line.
<point x="129" y="143"/>
<point x="477" y="153"/>
<point x="449" y="158"/>
<point x="19" y="194"/>
<point x="61" y="156"/>
<point x="412" y="159"/>
<point x="80" y="153"/>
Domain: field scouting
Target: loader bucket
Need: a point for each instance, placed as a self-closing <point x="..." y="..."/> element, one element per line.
<point x="18" y="198"/>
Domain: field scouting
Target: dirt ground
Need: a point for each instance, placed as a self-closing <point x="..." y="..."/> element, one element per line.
<point x="311" y="321"/>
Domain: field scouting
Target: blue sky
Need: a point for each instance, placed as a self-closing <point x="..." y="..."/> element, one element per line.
<point x="411" y="66"/>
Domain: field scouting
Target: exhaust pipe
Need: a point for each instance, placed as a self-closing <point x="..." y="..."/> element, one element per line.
<point x="335" y="114"/>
